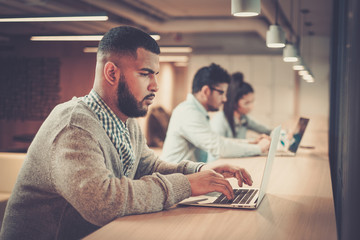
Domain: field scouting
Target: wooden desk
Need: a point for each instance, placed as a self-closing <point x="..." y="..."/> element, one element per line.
<point x="298" y="205"/>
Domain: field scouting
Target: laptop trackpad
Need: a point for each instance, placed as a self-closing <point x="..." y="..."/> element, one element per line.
<point x="213" y="194"/>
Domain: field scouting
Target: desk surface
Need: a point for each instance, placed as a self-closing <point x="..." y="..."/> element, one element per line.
<point x="298" y="205"/>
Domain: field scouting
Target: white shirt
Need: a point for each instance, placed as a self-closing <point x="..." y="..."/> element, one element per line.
<point x="189" y="131"/>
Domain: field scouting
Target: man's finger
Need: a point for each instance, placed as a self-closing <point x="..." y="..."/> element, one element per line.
<point x="246" y="177"/>
<point x="225" y="184"/>
<point x="229" y="193"/>
<point x="240" y="178"/>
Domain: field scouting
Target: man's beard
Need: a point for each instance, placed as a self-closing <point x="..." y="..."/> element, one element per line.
<point x="212" y="108"/>
<point x="127" y="102"/>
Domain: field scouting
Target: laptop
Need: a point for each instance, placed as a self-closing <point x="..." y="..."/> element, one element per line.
<point x="249" y="198"/>
<point x="289" y="146"/>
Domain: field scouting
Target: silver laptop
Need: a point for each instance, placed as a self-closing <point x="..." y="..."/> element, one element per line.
<point x="289" y="147"/>
<point x="249" y="198"/>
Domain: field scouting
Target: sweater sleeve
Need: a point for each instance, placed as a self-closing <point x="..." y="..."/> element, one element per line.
<point x="150" y="162"/>
<point x="79" y="174"/>
<point x="254" y="126"/>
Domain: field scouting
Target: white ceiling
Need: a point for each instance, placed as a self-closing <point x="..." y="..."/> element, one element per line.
<point x="207" y="25"/>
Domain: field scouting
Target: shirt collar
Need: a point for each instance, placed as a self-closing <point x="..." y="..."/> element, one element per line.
<point x="106" y="108"/>
<point x="114" y="128"/>
<point x="102" y="108"/>
<point x="192" y="99"/>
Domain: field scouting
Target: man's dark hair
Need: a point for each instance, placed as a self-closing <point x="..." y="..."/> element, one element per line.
<point x="125" y="40"/>
<point x="210" y="76"/>
<point x="237" y="89"/>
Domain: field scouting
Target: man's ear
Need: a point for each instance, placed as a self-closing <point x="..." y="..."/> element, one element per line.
<point x="206" y="90"/>
<point x="204" y="93"/>
<point x="111" y="72"/>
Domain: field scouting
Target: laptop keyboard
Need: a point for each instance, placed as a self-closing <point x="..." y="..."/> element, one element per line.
<point x="242" y="196"/>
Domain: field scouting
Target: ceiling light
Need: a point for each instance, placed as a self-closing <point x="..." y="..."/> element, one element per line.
<point x="56" y="18"/>
<point x="245" y="8"/>
<point x="175" y="49"/>
<point x="307" y="75"/>
<point x="90" y="49"/>
<point x="299" y="65"/>
<point x="290" y="53"/>
<point x="309" y="78"/>
<point x="156" y="37"/>
<point x="179" y="59"/>
<point x="173" y="58"/>
<point x="303" y="72"/>
<point x="67" y="38"/>
<point x="75" y="38"/>
<point x="275" y="37"/>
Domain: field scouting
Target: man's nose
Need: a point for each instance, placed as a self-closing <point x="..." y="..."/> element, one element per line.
<point x="153" y="86"/>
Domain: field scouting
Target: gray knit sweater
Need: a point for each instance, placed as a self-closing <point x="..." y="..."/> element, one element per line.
<point x="72" y="182"/>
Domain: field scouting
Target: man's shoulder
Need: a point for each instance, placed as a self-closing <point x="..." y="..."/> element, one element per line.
<point x="68" y="115"/>
<point x="74" y="112"/>
<point x="187" y="108"/>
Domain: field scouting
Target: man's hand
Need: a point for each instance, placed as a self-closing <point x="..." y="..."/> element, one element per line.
<point x="209" y="181"/>
<point x="212" y="179"/>
<point x="229" y="171"/>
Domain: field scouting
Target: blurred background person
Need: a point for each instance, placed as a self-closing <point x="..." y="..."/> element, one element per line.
<point x="233" y="121"/>
<point x="189" y="135"/>
<point x="158" y="122"/>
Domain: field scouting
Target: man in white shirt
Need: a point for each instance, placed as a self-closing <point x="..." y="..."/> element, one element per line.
<point x="189" y="135"/>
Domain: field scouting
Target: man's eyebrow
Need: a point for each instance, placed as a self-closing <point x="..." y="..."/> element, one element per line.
<point x="148" y="70"/>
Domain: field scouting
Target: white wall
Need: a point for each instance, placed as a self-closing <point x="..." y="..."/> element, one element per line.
<point x="314" y="97"/>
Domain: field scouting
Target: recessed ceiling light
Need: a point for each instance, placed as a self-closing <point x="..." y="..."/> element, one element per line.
<point x="56" y="18"/>
<point x="175" y="49"/>
<point x="71" y="38"/>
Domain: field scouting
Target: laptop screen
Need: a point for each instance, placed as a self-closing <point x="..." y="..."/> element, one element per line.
<point x="298" y="134"/>
<point x="275" y="134"/>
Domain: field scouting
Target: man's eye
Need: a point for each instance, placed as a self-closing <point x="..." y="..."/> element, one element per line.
<point x="144" y="74"/>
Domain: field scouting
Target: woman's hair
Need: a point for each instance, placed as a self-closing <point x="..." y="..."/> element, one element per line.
<point x="237" y="89"/>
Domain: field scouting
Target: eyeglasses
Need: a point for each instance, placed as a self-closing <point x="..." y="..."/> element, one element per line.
<point x="221" y="92"/>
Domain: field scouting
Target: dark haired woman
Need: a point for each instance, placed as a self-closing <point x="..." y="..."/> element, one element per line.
<point x="233" y="120"/>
